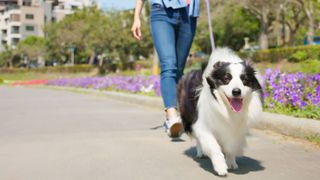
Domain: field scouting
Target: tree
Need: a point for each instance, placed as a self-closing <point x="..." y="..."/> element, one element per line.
<point x="265" y="12"/>
<point x="33" y="47"/>
<point x="231" y="24"/>
<point x="84" y="30"/>
<point x="311" y="10"/>
<point x="97" y="33"/>
<point x="6" y="57"/>
<point x="293" y="18"/>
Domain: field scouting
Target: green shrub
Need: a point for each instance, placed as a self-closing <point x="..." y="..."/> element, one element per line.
<point x="1" y="81"/>
<point x="298" y="56"/>
<point x="57" y="69"/>
<point x="314" y="53"/>
<point x="311" y="66"/>
<point x="146" y="64"/>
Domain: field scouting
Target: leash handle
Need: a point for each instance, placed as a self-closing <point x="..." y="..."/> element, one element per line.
<point x="210" y="26"/>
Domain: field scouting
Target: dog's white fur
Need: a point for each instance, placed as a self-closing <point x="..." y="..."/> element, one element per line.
<point x="220" y="132"/>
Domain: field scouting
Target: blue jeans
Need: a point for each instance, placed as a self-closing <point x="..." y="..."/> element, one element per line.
<point x="172" y="32"/>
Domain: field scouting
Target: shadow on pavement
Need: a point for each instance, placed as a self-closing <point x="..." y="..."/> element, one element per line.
<point x="246" y="164"/>
<point x="156" y="127"/>
<point x="177" y="140"/>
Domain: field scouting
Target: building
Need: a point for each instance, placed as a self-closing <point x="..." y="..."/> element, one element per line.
<point x="56" y="10"/>
<point x="18" y="20"/>
<point x="22" y="18"/>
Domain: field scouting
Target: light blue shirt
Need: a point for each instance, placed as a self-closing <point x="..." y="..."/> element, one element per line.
<point x="194" y="10"/>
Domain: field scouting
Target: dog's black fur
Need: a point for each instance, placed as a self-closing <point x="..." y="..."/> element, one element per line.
<point x="187" y="90"/>
<point x="190" y="84"/>
<point x="188" y="98"/>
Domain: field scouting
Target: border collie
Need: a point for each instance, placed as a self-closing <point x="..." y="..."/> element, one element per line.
<point x="216" y="105"/>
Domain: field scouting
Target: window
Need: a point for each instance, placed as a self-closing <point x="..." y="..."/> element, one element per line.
<point x="15" y="29"/>
<point x="4" y="32"/>
<point x="15" y="17"/>
<point x="74" y="8"/>
<point x="29" y="16"/>
<point x="29" y="28"/>
<point x="27" y="2"/>
<point x="15" y="41"/>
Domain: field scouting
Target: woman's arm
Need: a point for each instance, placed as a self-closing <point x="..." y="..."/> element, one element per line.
<point x="136" y="27"/>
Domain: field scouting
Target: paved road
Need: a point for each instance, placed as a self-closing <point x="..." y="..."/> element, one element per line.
<point x="58" y="135"/>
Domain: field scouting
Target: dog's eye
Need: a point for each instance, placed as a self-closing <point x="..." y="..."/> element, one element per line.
<point x="227" y="77"/>
<point x="245" y="79"/>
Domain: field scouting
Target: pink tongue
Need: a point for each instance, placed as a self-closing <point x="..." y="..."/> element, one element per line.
<point x="236" y="104"/>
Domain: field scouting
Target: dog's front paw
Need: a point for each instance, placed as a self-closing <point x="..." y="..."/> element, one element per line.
<point x="233" y="166"/>
<point x="231" y="162"/>
<point x="221" y="169"/>
<point x="199" y="153"/>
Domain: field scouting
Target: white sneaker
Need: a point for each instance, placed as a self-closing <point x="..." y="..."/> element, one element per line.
<point x="173" y="127"/>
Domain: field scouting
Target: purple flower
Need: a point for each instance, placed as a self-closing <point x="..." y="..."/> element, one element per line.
<point x="295" y="90"/>
<point x="133" y="84"/>
<point x="290" y="91"/>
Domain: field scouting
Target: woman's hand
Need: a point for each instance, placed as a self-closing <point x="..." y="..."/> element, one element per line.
<point x="136" y="29"/>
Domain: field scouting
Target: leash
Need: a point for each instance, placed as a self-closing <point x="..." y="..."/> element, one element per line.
<point x="210" y="26"/>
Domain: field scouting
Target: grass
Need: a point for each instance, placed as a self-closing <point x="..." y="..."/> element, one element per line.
<point x="314" y="139"/>
<point x="33" y="75"/>
<point x="309" y="67"/>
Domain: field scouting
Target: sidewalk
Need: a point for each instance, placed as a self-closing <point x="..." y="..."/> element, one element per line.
<point x="283" y="124"/>
<point x="47" y="134"/>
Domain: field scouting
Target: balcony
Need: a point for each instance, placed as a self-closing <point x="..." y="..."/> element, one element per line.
<point x="15" y="41"/>
<point x="15" y="17"/>
<point x="15" y="30"/>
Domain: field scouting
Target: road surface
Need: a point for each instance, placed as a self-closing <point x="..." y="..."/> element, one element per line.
<point x="59" y="135"/>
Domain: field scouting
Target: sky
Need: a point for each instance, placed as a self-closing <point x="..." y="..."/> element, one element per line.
<point x="116" y="4"/>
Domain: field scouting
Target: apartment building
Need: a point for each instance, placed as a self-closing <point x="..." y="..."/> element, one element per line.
<point x="56" y="10"/>
<point x="22" y="18"/>
<point x="18" y="20"/>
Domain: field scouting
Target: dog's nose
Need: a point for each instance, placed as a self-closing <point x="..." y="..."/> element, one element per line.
<point x="236" y="92"/>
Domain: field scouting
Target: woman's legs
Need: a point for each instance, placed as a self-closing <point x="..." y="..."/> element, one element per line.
<point x="172" y="32"/>
<point x="163" y="34"/>
<point x="185" y="33"/>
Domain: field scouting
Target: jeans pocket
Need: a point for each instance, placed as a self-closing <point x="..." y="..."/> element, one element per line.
<point x="156" y="7"/>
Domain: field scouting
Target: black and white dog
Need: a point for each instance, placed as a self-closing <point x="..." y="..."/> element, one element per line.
<point x="216" y="104"/>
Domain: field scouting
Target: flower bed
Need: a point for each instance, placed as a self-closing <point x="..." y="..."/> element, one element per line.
<point x="132" y="84"/>
<point x="294" y="94"/>
<point x="30" y="82"/>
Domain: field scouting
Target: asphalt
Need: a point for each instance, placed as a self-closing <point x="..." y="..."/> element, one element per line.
<point x="47" y="134"/>
<point x="282" y="124"/>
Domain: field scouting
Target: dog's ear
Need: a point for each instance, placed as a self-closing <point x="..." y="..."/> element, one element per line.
<point x="211" y="82"/>
<point x="204" y="65"/>
<point x="256" y="85"/>
<point x="253" y="74"/>
<point x="248" y="62"/>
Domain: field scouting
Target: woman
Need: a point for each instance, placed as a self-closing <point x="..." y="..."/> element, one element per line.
<point x="173" y="25"/>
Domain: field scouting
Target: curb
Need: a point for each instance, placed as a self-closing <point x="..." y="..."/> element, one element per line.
<point x="282" y="124"/>
<point x="288" y="125"/>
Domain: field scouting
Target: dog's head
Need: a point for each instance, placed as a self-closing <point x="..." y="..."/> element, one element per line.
<point x="234" y="82"/>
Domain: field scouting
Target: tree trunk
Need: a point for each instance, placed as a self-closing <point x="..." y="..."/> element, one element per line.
<point x="308" y="8"/>
<point x="263" y="35"/>
<point x="93" y="55"/>
<point x="10" y="62"/>
<point x="101" y="58"/>
<point x="310" y="30"/>
<point x="292" y="38"/>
